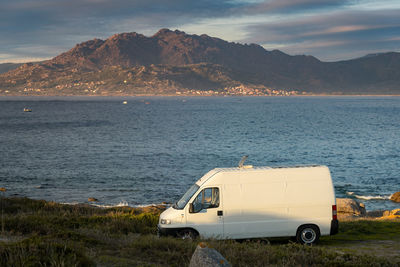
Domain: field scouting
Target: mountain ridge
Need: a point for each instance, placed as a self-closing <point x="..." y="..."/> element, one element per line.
<point x="246" y="65"/>
<point x="5" y="67"/>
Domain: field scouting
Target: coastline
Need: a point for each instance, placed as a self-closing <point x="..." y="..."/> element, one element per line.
<point x="354" y="210"/>
<point x="195" y="95"/>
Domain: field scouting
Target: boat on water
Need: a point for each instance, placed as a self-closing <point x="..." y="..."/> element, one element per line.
<point x="27" y="110"/>
<point x="125" y="102"/>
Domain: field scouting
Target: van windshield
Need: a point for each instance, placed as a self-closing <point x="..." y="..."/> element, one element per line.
<point x="186" y="197"/>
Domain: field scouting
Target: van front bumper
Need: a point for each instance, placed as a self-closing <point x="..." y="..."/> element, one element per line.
<point x="334" y="227"/>
<point x="161" y="231"/>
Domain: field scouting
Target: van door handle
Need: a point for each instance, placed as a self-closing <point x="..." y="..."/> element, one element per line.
<point x="220" y="213"/>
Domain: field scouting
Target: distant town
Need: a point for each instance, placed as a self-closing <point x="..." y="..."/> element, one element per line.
<point x="242" y="90"/>
<point x="92" y="89"/>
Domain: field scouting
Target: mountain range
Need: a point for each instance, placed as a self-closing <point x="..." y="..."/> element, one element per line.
<point x="4" y="67"/>
<point x="173" y="62"/>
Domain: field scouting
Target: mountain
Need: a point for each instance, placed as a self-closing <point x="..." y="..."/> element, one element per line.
<point x="171" y="62"/>
<point x="372" y="74"/>
<point x="4" y="67"/>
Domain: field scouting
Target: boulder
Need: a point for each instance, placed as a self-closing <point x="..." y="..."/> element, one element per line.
<point x="395" y="197"/>
<point x="92" y="199"/>
<point x="347" y="207"/>
<point x="205" y="256"/>
<point x="391" y="214"/>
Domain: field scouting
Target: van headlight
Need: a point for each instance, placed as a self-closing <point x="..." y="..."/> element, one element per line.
<point x="165" y="221"/>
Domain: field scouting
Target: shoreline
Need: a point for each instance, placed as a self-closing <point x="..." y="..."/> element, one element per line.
<point x="381" y="214"/>
<point x="199" y="96"/>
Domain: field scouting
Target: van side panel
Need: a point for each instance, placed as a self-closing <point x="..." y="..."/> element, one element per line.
<point x="274" y="202"/>
<point x="255" y="206"/>
<point x="309" y="198"/>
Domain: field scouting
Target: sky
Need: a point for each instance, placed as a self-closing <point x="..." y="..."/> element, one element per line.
<point x="331" y="30"/>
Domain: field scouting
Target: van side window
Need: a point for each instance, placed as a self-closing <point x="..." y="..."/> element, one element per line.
<point x="208" y="198"/>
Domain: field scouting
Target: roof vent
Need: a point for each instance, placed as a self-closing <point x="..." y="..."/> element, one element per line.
<point x="241" y="162"/>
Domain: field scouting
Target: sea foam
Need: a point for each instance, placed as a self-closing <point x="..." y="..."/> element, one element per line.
<point x="372" y="197"/>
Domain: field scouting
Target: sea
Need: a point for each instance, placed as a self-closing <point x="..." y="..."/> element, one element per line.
<point x="150" y="150"/>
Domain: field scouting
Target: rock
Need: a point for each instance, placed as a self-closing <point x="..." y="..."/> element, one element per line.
<point x="349" y="207"/>
<point x="155" y="209"/>
<point x="386" y="213"/>
<point x="395" y="197"/>
<point x="375" y="213"/>
<point x="92" y="199"/>
<point x="391" y="214"/>
<point x="204" y="256"/>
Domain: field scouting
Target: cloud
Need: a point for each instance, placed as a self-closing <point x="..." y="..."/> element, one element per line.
<point x="330" y="35"/>
<point x="293" y="6"/>
<point x="63" y="23"/>
<point x="37" y="13"/>
<point x="339" y="29"/>
<point x="328" y="29"/>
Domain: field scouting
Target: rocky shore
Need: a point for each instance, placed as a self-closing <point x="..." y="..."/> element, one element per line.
<point x="349" y="209"/>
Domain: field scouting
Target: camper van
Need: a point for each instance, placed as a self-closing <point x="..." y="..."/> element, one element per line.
<point x="256" y="202"/>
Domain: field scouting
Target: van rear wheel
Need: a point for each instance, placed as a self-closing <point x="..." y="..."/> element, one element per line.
<point x="187" y="234"/>
<point x="308" y="234"/>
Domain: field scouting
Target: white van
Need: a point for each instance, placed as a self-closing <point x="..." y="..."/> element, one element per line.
<point x="255" y="202"/>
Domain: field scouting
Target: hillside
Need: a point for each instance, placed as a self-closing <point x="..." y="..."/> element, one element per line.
<point x="4" y="67"/>
<point x="173" y="61"/>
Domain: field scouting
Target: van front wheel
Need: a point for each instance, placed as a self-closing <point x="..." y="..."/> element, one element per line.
<point x="308" y="234"/>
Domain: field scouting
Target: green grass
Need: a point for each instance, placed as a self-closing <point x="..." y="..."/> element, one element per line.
<point x="26" y="216"/>
<point x="40" y="233"/>
<point x="366" y="230"/>
<point x="41" y="252"/>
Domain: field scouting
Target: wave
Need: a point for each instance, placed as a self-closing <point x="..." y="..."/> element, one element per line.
<point x="70" y="203"/>
<point x="125" y="204"/>
<point x="379" y="197"/>
<point x="372" y="197"/>
<point x="120" y="204"/>
<point x="150" y="205"/>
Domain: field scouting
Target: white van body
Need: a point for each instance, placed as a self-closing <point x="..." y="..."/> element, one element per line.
<point x="247" y="202"/>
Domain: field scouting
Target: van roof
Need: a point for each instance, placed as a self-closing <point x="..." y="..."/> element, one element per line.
<point x="249" y="168"/>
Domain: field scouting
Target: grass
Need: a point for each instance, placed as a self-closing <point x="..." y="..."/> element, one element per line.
<point x="40" y="233"/>
<point x="368" y="230"/>
<point x="37" y="252"/>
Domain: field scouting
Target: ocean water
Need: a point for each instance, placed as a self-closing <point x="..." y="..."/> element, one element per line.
<point x="152" y="149"/>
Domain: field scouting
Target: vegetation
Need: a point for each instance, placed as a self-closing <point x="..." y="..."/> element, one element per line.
<point x="40" y="233"/>
<point x="368" y="230"/>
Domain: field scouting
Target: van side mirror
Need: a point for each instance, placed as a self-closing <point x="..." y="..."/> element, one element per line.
<point x="191" y="208"/>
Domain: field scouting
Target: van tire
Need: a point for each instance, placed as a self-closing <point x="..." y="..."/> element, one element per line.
<point x="187" y="234"/>
<point x="308" y="234"/>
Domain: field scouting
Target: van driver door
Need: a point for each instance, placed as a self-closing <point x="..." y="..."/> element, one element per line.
<point x="205" y="213"/>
